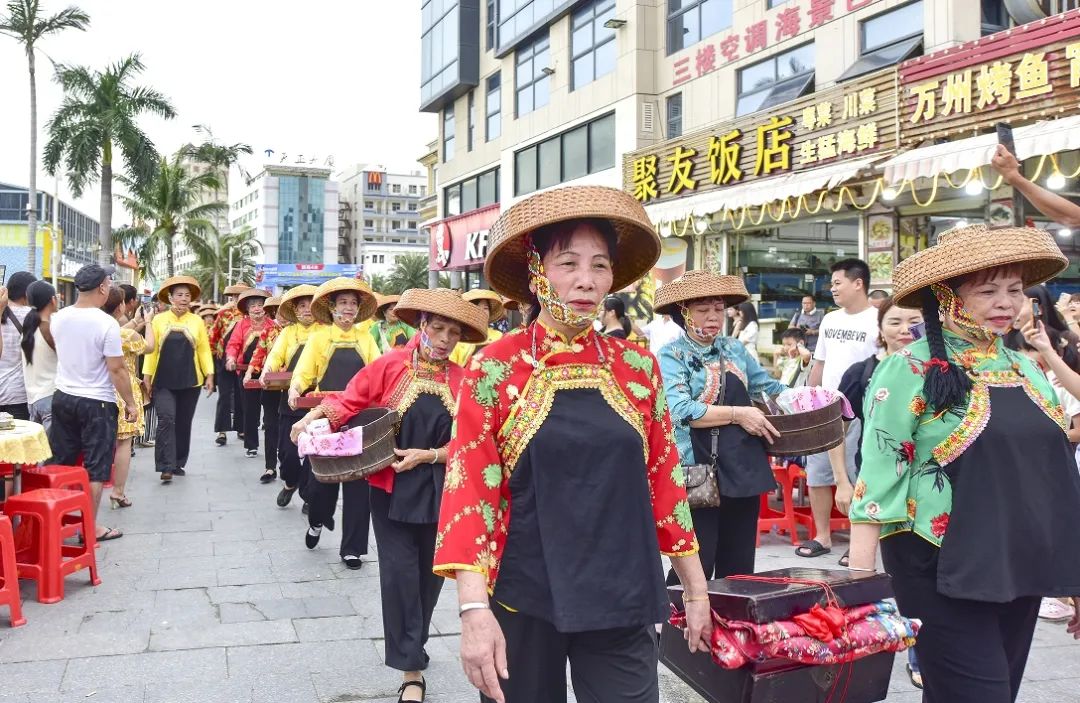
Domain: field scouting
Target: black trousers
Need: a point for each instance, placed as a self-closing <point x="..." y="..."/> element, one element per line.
<point x="227" y="417"/>
<point x="175" y="413"/>
<point x="605" y="665"/>
<point x="727" y="538"/>
<point x="296" y="473"/>
<point x="969" y="651"/>
<point x="409" y="589"/>
<point x="19" y="411"/>
<point x="259" y="403"/>
<point x="355" y="512"/>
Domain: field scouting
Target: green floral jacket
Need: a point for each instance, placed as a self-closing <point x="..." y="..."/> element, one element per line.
<point x="902" y="483"/>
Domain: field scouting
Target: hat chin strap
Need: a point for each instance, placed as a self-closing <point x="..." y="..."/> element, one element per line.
<point x="545" y="293"/>
<point x="698" y="331"/>
<point x="953" y="310"/>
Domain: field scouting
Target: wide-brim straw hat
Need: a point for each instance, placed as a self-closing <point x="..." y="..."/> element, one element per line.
<point x="447" y="303"/>
<point x="173" y="281"/>
<point x="495" y="301"/>
<point x="207" y="310"/>
<point x="288" y="301"/>
<point x="272" y="303"/>
<point x="965" y="250"/>
<point x="637" y="248"/>
<point x="694" y="285"/>
<point x="384" y="302"/>
<point x="320" y="303"/>
<point x="511" y="304"/>
<point x="248" y="295"/>
<point x="236" y="288"/>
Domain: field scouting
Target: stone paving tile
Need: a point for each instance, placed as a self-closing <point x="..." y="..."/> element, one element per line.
<point x="145" y="668"/>
<point x="224" y="635"/>
<point x="32" y="677"/>
<point x="353" y="627"/>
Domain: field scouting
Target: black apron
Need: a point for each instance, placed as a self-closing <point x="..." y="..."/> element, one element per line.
<point x="1016" y="496"/>
<point x="249" y="351"/>
<point x="176" y="363"/>
<point x="345" y="362"/>
<point x="283" y="404"/>
<point x="742" y="467"/>
<point x="229" y="334"/>
<point x="418" y="493"/>
<point x="582" y="551"/>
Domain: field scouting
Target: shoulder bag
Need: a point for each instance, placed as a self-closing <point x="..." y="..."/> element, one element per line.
<point x="702" y="487"/>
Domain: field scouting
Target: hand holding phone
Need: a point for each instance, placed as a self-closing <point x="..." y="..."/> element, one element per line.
<point x="1005" y="136"/>
<point x="1036" y="312"/>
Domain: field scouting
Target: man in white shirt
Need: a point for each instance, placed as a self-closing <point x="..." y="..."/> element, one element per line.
<point x="13" y="309"/>
<point x="847" y="336"/>
<point x="90" y="373"/>
<point x="660" y="332"/>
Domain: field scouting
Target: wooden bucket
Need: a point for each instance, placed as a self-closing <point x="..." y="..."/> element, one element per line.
<point x="380" y="426"/>
<point x="810" y="432"/>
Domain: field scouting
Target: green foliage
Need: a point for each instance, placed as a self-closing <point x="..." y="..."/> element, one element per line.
<point x="212" y="260"/>
<point x="410" y="271"/>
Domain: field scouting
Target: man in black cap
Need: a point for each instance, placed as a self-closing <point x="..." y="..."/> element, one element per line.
<point x="90" y="373"/>
<point x="13" y="309"/>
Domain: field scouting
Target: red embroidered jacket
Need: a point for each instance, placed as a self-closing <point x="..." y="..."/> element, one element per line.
<point x="267" y="338"/>
<point x="226" y="318"/>
<point x="243" y="334"/>
<point x="393" y="381"/>
<point x="503" y="401"/>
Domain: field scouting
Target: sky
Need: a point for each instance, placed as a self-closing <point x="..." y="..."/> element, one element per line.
<point x="317" y="77"/>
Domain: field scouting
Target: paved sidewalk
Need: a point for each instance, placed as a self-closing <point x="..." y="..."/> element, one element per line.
<point x="211" y="597"/>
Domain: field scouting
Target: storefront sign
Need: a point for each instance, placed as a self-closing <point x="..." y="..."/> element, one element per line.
<point x="1019" y="75"/>
<point x="791" y="20"/>
<point x="275" y="276"/>
<point x="848" y="121"/>
<point x="461" y="242"/>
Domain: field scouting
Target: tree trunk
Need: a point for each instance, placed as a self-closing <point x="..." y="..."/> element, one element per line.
<point x="105" y="211"/>
<point x="169" y="265"/>
<point x="31" y="236"/>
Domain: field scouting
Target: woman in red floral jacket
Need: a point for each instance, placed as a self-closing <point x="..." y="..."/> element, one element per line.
<point x="420" y="383"/>
<point x="564" y="485"/>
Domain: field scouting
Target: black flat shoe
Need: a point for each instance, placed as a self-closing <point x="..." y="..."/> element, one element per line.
<point x="421" y="684"/>
<point x="305" y="509"/>
<point x="311" y="538"/>
<point x="285" y="497"/>
<point x="352" y="562"/>
<point x="268" y="476"/>
<point x="221" y="439"/>
<point x="179" y="472"/>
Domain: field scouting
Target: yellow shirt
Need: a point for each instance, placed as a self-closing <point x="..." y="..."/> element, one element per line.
<point x="288" y="341"/>
<point x="194" y="328"/>
<point x="464" y="350"/>
<point x="321" y="345"/>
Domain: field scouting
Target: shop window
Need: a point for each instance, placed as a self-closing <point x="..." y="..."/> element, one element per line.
<point x="995" y="17"/>
<point x="674" y="115"/>
<point x="578" y="152"/>
<point x="592" y="45"/>
<point x="776" y="80"/>
<point x="690" y="21"/>
<point x="887" y="39"/>
<point x="493" y="107"/>
<point x="532" y="64"/>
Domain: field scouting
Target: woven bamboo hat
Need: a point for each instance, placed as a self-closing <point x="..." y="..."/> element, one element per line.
<point x="208" y="309"/>
<point x="965" y="250"/>
<point x="288" y="301"/>
<point x="384" y="302"/>
<point x="694" y="285"/>
<point x="272" y="304"/>
<point x="638" y="246"/>
<point x="495" y="301"/>
<point x="236" y="288"/>
<point x="447" y="303"/>
<point x="320" y="303"/>
<point x="248" y="295"/>
<point x="511" y="304"/>
<point x="173" y="281"/>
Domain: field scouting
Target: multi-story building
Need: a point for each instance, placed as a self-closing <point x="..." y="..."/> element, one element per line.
<point x="183" y="256"/>
<point x="702" y="108"/>
<point x="293" y="211"/>
<point x="384" y="216"/>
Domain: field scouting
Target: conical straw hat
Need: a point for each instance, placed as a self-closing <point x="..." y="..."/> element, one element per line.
<point x="498" y="308"/>
<point x="163" y="294"/>
<point x="288" y="301"/>
<point x="447" y="303"/>
<point x="694" y="285"/>
<point x="320" y="303"/>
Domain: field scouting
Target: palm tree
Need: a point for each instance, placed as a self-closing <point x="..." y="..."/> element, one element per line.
<point x="212" y="259"/>
<point x="217" y="156"/>
<point x="97" y="116"/>
<point x="169" y="205"/>
<point x="378" y="283"/>
<point x="24" y="22"/>
<point x="410" y="271"/>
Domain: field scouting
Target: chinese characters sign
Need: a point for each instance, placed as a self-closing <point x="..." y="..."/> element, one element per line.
<point x="789" y="20"/>
<point x="848" y="121"/>
<point x="1028" y="73"/>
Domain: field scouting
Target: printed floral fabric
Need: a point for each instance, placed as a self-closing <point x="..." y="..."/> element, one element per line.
<point x="243" y="334"/>
<point x="267" y="338"/>
<point x="829" y="636"/>
<point x="223" y="324"/>
<point x="502" y="402"/>
<point x="133" y="345"/>
<point x="692" y="381"/>
<point x="903" y="484"/>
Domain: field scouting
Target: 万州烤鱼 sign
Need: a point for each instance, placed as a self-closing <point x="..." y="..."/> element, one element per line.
<point x="1022" y="75"/>
<point x="848" y="121"/>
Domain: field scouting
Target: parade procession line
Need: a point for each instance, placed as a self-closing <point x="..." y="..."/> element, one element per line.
<point x="211" y="597"/>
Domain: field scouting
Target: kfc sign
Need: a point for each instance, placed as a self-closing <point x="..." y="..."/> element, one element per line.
<point x="461" y="242"/>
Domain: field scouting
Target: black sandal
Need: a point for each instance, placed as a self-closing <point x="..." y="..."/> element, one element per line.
<point x="811" y="548"/>
<point x="268" y="476"/>
<point x="844" y="559"/>
<point x="421" y="684"/>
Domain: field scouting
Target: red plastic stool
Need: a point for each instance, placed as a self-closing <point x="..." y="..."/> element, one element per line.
<point x="49" y="560"/>
<point x="837" y="520"/>
<point x="72" y="478"/>
<point x="783" y="520"/>
<point x="9" y="574"/>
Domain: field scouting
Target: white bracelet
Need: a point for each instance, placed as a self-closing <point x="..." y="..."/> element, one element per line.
<point x="855" y="568"/>
<point x="466" y="607"/>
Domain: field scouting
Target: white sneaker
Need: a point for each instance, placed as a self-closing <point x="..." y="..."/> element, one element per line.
<point x="1053" y="610"/>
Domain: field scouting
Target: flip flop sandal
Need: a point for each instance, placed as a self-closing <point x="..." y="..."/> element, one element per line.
<point x="110" y="533"/>
<point x="811" y="548"/>
<point x="844" y="559"/>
